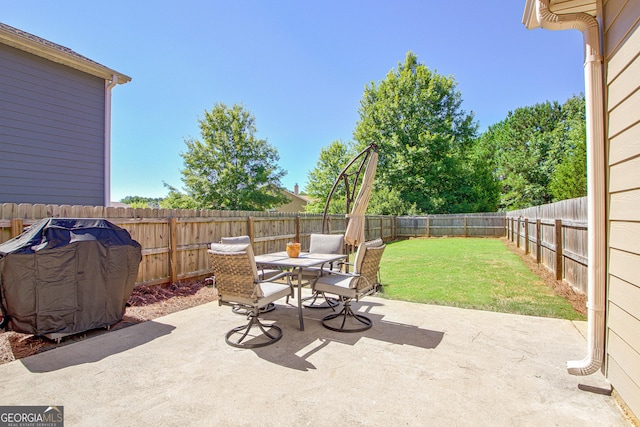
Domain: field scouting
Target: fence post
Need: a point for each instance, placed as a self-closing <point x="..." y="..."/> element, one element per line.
<point x="428" y="228"/>
<point x="558" y="229"/>
<point x="511" y="229"/>
<point x="464" y="226"/>
<point x="17" y="225"/>
<point x="173" y="251"/>
<point x="297" y="228"/>
<point x="250" y="229"/>
<point x="538" y="240"/>
<point x="526" y="236"/>
<point x="518" y="234"/>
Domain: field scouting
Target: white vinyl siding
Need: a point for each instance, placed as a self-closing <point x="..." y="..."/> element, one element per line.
<point x="51" y="132"/>
<point x="622" y="68"/>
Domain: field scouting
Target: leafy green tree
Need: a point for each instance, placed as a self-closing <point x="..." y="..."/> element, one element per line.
<point x="569" y="180"/>
<point x="526" y="148"/>
<point x="415" y="117"/>
<point x="389" y="202"/>
<point x="333" y="159"/>
<point x="229" y="167"/>
<point x="141" y="202"/>
<point x="177" y="200"/>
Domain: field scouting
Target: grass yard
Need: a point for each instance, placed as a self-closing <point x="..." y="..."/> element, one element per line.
<point x="478" y="273"/>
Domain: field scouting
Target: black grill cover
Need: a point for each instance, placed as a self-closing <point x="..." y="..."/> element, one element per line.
<point x="66" y="275"/>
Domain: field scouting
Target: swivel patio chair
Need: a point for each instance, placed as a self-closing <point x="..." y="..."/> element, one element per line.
<point x="264" y="272"/>
<point x="323" y="244"/>
<point x="238" y="284"/>
<point x="349" y="286"/>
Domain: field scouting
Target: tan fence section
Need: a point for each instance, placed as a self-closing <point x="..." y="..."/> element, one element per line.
<point x="174" y="241"/>
<point x="556" y="236"/>
<point x="459" y="225"/>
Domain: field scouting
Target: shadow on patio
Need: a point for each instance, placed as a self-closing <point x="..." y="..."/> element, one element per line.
<point x="296" y="347"/>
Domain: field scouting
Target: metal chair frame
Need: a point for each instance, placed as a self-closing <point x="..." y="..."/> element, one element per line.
<point x="362" y="282"/>
<point x="238" y="285"/>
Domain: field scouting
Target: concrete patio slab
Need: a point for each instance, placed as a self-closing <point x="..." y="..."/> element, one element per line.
<point x="418" y="365"/>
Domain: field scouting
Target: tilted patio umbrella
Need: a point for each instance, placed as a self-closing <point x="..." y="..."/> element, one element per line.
<point x="368" y="158"/>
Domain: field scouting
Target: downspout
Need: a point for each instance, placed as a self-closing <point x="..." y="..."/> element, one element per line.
<point x="596" y="194"/>
<point x="108" y="85"/>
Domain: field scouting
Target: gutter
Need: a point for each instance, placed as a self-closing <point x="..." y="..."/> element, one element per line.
<point x="596" y="194"/>
<point x="108" y="85"/>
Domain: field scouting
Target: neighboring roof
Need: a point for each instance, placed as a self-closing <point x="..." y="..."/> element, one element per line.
<point x="38" y="46"/>
<point x="296" y="196"/>
<point x="559" y="7"/>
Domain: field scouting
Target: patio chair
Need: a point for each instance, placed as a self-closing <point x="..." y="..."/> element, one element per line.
<point x="349" y="286"/>
<point x="263" y="271"/>
<point x="238" y="284"/>
<point x="323" y="244"/>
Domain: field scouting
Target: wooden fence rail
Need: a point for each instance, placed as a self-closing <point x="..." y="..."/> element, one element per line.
<point x="555" y="235"/>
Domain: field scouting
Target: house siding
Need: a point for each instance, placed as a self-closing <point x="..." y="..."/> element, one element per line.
<point x="51" y="132"/>
<point x="621" y="22"/>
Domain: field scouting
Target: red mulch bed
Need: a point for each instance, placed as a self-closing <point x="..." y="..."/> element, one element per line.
<point x="145" y="303"/>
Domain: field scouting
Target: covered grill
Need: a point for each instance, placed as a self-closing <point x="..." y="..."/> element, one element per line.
<point x="63" y="276"/>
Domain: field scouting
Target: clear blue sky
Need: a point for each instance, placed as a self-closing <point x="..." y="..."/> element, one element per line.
<point x="300" y="67"/>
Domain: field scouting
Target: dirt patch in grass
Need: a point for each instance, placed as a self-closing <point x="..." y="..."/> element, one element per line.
<point x="145" y="303"/>
<point x="577" y="299"/>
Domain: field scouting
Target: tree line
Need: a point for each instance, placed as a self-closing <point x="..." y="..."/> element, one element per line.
<point x="432" y="158"/>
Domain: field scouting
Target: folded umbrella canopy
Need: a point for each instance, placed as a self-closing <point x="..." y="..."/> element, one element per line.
<point x="355" y="228"/>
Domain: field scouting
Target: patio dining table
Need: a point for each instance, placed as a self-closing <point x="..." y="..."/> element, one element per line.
<point x="304" y="260"/>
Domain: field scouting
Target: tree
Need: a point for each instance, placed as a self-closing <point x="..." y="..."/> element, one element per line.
<point x="415" y="117"/>
<point x="230" y="168"/>
<point x="141" y="202"/>
<point x="321" y="178"/>
<point x="527" y="147"/>
<point x="177" y="200"/>
<point x="569" y="180"/>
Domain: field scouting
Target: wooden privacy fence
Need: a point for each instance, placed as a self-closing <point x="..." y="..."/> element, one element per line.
<point x="458" y="225"/>
<point x="174" y="241"/>
<point x="555" y="235"/>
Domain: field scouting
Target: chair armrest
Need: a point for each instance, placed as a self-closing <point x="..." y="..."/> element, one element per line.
<point x="286" y="274"/>
<point x="278" y="276"/>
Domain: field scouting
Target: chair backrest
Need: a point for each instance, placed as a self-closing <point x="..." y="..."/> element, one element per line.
<point x="235" y="240"/>
<point x="235" y="271"/>
<point x="326" y="243"/>
<point x="367" y="263"/>
<point x="375" y="242"/>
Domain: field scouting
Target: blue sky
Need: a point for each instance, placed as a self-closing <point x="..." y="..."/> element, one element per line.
<point x="300" y="67"/>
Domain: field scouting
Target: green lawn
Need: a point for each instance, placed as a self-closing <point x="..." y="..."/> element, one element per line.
<point x="470" y="273"/>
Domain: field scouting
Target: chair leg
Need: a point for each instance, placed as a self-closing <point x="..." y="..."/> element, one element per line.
<point x="254" y="320"/>
<point x="329" y="302"/>
<point x="238" y="309"/>
<point x="344" y="315"/>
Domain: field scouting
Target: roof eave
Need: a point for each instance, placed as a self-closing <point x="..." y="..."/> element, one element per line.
<point x="61" y="57"/>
